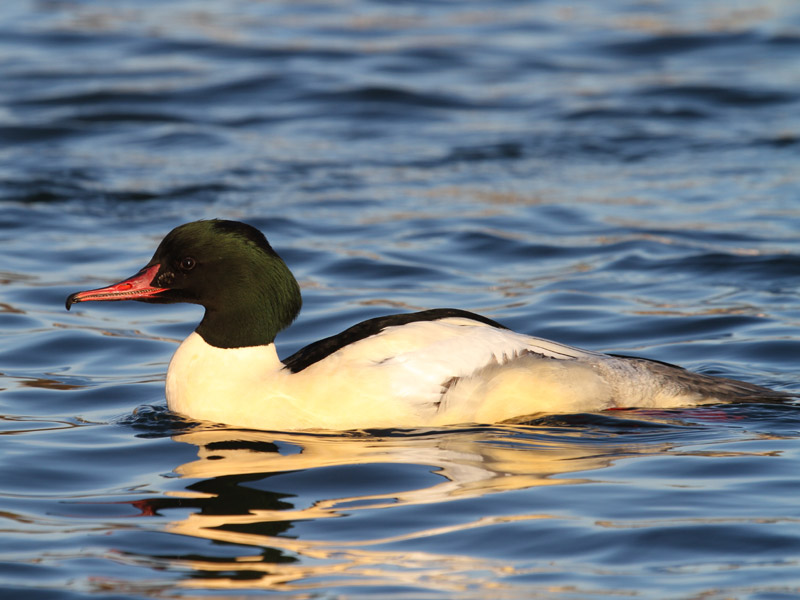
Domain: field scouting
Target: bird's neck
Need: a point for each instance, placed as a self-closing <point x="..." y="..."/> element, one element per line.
<point x="253" y="314"/>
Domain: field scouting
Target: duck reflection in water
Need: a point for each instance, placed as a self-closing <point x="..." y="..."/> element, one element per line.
<point x="281" y="498"/>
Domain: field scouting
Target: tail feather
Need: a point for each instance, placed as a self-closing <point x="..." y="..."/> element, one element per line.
<point x="704" y="387"/>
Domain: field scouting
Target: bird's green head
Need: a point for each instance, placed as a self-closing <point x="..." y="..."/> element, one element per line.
<point x="229" y="268"/>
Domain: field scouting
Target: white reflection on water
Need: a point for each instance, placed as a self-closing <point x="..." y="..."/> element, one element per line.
<point x="463" y="464"/>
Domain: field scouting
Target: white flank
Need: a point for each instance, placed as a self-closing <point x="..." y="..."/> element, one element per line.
<point x="424" y="373"/>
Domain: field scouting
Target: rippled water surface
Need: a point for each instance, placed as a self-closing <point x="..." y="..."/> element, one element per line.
<point x="623" y="176"/>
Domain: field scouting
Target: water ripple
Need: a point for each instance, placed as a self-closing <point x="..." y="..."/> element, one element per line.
<point x="618" y="176"/>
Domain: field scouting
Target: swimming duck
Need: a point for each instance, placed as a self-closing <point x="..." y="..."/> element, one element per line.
<point x="435" y="367"/>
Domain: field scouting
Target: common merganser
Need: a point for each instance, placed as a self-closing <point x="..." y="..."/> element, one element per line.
<point x="436" y="367"/>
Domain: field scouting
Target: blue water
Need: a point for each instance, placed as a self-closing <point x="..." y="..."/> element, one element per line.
<point x="622" y="176"/>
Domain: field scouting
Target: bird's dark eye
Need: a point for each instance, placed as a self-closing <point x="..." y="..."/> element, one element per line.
<point x="187" y="264"/>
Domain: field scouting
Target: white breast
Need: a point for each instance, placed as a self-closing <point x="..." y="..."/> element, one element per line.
<point x="215" y="384"/>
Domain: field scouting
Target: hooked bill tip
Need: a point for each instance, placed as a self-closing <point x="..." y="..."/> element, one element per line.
<point x="71" y="299"/>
